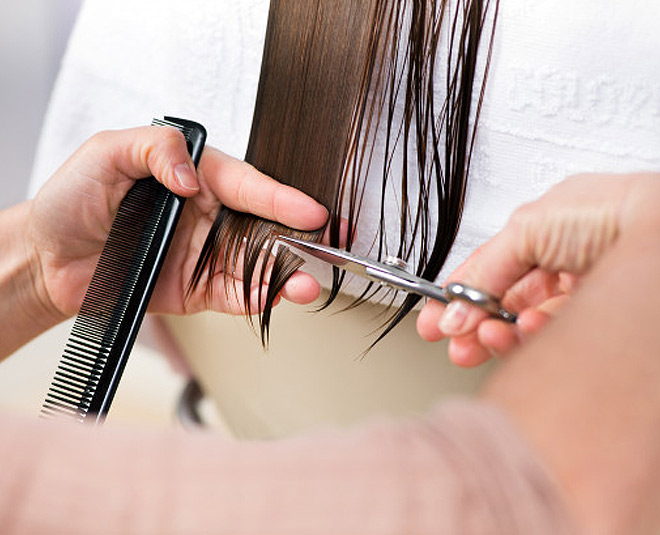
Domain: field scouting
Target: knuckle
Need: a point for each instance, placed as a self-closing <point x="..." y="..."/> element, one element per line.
<point x="278" y="203"/>
<point x="98" y="141"/>
<point x="523" y="214"/>
<point x="256" y="194"/>
<point x="242" y="193"/>
<point x="102" y="143"/>
<point x="522" y="230"/>
<point x="170" y="137"/>
<point x="166" y="143"/>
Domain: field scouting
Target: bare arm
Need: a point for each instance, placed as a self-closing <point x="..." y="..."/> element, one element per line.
<point x="586" y="388"/>
<point x="461" y="470"/>
<point x="24" y="305"/>
<point x="586" y="391"/>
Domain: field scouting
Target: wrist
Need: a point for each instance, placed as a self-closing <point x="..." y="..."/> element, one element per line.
<point x="25" y="307"/>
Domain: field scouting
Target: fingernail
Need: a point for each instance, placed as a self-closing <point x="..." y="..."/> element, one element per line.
<point x="186" y="177"/>
<point x="453" y="317"/>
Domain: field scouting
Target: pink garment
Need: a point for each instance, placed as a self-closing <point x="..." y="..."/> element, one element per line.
<point x="463" y="469"/>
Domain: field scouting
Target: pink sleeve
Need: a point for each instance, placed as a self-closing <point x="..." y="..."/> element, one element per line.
<point x="461" y="470"/>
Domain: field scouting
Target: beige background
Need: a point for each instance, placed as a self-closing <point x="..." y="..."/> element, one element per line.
<point x="313" y="373"/>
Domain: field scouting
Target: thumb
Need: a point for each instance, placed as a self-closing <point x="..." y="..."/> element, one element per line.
<point x="141" y="152"/>
<point x="493" y="268"/>
<point x="568" y="229"/>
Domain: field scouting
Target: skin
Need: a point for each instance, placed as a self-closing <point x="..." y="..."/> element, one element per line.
<point x="583" y="390"/>
<point x="52" y="249"/>
<point x="582" y="265"/>
<point x="533" y="265"/>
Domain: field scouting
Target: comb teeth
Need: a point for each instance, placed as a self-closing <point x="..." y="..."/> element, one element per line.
<point x="115" y="302"/>
<point x="96" y="331"/>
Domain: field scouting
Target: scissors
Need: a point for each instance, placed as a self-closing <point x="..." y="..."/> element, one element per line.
<point x="392" y="273"/>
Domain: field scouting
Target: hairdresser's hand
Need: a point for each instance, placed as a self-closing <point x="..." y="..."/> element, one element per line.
<point x="535" y="263"/>
<point x="72" y="214"/>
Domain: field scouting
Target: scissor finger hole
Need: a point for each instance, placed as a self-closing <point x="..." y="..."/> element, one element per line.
<point x="484" y="301"/>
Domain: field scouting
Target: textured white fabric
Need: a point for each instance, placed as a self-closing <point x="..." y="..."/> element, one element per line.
<point x="574" y="87"/>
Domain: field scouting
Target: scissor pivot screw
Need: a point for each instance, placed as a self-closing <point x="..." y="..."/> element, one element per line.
<point x="395" y="261"/>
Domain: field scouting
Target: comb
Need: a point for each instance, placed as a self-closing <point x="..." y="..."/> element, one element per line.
<point x="114" y="305"/>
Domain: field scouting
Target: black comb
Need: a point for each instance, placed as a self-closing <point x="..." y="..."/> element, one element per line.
<point x="105" y="329"/>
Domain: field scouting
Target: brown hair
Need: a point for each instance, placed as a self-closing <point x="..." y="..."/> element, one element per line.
<point x="332" y="76"/>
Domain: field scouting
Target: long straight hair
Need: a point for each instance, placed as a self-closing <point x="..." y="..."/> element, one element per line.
<point x="338" y="78"/>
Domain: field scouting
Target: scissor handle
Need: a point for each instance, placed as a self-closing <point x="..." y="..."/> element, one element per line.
<point x="486" y="302"/>
<point x="402" y="280"/>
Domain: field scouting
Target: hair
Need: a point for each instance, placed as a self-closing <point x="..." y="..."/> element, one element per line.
<point x="338" y="76"/>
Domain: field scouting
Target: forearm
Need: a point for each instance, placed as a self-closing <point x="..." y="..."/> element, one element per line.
<point x="586" y="390"/>
<point x="23" y="313"/>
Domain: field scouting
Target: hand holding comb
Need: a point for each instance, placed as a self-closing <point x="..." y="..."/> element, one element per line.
<point x="114" y="305"/>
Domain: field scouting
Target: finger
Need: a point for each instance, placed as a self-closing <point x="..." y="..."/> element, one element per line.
<point x="224" y="294"/>
<point x="497" y="337"/>
<point x="460" y="318"/>
<point x="533" y="320"/>
<point x="241" y="187"/>
<point x="568" y="282"/>
<point x="428" y="321"/>
<point x="301" y="288"/>
<point x="141" y="152"/>
<point x="229" y="299"/>
<point x="467" y="351"/>
<point x="500" y="338"/>
<point x="498" y="264"/>
<point x="493" y="268"/>
<point x="551" y="306"/>
<point x="494" y="337"/>
<point x="258" y="299"/>
<point x="343" y="234"/>
<point x="533" y="289"/>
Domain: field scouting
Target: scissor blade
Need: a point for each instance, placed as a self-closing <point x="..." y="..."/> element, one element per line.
<point x="400" y="279"/>
<point x="375" y="271"/>
<point x="331" y="255"/>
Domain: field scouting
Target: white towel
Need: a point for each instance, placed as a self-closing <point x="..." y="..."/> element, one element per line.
<point x="574" y="87"/>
